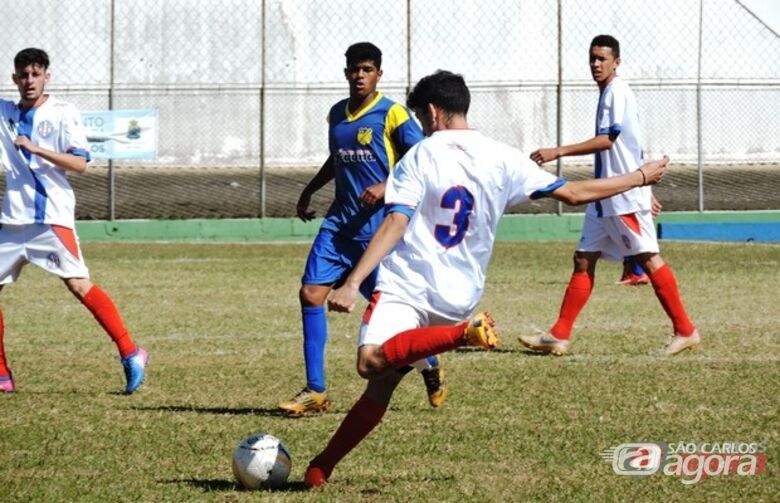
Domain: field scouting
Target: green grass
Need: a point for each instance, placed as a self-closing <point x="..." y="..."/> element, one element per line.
<point x="221" y="323"/>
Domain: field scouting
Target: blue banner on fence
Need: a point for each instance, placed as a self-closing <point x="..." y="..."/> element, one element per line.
<point x="121" y="134"/>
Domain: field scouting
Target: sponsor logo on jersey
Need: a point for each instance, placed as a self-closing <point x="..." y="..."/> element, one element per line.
<point x="45" y="129"/>
<point x="347" y="156"/>
<point x="364" y="136"/>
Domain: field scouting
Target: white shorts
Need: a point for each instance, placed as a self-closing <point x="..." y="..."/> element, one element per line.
<point x="51" y="247"/>
<point x="619" y="236"/>
<point x="387" y="315"/>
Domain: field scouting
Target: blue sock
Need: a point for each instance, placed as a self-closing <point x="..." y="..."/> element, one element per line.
<point x="315" y="336"/>
<point x="432" y="361"/>
<point x="637" y="268"/>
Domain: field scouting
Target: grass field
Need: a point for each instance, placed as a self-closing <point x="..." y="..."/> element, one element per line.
<point x="221" y="324"/>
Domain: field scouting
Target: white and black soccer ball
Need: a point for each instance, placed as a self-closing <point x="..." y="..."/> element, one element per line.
<point x="261" y="461"/>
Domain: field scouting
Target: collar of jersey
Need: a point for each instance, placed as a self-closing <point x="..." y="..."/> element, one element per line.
<point x="352" y="118"/>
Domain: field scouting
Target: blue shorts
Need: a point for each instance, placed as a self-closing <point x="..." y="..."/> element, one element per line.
<point x="332" y="258"/>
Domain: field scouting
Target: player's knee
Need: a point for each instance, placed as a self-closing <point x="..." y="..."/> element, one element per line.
<point x="370" y="365"/>
<point x="311" y="295"/>
<point x="78" y="286"/>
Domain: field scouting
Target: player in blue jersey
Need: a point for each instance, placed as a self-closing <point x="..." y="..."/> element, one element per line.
<point x="368" y="134"/>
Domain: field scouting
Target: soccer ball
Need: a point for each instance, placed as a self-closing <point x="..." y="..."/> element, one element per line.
<point x="261" y="460"/>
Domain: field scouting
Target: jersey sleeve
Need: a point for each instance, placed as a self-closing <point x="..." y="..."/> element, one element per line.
<point x="613" y="111"/>
<point x="74" y="139"/>
<point x="406" y="184"/>
<point x="528" y="181"/>
<point x="404" y="131"/>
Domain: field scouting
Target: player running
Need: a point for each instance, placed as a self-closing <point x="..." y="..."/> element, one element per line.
<point x="368" y="133"/>
<point x="444" y="201"/>
<point x="621" y="225"/>
<point x="41" y="141"/>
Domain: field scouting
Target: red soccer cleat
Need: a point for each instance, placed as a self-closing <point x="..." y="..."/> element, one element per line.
<point x="632" y="279"/>
<point x="315" y="477"/>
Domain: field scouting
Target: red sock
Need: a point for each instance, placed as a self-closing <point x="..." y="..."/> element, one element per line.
<point x="364" y="416"/>
<point x="4" y="372"/>
<point x="666" y="290"/>
<point x="105" y="312"/>
<point x="575" y="298"/>
<point x="418" y="343"/>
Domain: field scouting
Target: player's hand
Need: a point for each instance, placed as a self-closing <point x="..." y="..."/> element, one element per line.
<point x="655" y="206"/>
<point x="654" y="170"/>
<point x="22" y="141"/>
<point x="342" y="299"/>
<point x="544" y="155"/>
<point x="373" y="194"/>
<point x="302" y="208"/>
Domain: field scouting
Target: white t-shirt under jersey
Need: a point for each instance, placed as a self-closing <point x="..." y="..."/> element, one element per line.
<point x="454" y="185"/>
<point x="37" y="191"/>
<point x="617" y="113"/>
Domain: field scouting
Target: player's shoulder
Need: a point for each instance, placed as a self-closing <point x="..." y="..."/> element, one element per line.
<point x="6" y="106"/>
<point x="339" y="109"/>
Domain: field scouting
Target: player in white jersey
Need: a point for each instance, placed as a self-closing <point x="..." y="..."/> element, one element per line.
<point x="41" y="141"/>
<point x="621" y="225"/>
<point x="443" y="202"/>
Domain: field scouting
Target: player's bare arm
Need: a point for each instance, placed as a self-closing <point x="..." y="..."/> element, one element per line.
<point x="595" y="144"/>
<point x="387" y="236"/>
<point x="64" y="160"/>
<point x="323" y="176"/>
<point x="585" y="191"/>
<point x="373" y="194"/>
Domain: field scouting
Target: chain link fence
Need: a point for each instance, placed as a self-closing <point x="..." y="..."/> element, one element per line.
<point x="242" y="89"/>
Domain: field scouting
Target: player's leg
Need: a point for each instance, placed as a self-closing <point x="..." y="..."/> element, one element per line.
<point x="633" y="273"/>
<point x="431" y="369"/>
<point x="361" y="419"/>
<point x="556" y="340"/>
<point x="133" y="357"/>
<point x="56" y="249"/>
<point x="6" y="380"/>
<point x="325" y="266"/>
<point x="666" y="289"/>
<point x="391" y="350"/>
<point x="12" y="260"/>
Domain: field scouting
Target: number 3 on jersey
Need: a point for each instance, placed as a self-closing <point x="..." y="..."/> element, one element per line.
<point x="455" y="198"/>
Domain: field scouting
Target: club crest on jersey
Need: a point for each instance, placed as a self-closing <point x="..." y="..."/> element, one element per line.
<point x="45" y="129"/>
<point x="364" y="136"/>
<point x="53" y="260"/>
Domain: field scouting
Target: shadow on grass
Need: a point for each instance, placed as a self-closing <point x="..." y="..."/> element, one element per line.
<point x="518" y="350"/>
<point x="222" y="485"/>
<point x="238" y="411"/>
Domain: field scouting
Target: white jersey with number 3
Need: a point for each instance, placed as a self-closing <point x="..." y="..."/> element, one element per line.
<point x="454" y="185"/>
<point x="37" y="191"/>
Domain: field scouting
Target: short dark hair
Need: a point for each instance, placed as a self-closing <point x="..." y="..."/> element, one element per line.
<point x="31" y="56"/>
<point x="364" y="51"/>
<point x="444" y="89"/>
<point x="607" y="41"/>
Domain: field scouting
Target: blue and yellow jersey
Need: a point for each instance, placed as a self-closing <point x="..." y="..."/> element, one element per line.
<point x="364" y="148"/>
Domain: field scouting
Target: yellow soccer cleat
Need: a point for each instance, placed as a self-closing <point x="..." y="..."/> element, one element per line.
<point x="545" y="343"/>
<point x="305" y="402"/>
<point x="677" y="344"/>
<point x="480" y="331"/>
<point x="435" y="385"/>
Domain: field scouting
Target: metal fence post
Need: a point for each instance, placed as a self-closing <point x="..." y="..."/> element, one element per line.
<point x="559" y="101"/>
<point x="262" y="111"/>
<point x="700" y="167"/>
<point x="111" y="179"/>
